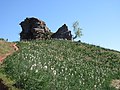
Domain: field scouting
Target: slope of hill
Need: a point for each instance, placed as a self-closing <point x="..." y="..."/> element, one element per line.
<point x="63" y="65"/>
<point x="6" y="48"/>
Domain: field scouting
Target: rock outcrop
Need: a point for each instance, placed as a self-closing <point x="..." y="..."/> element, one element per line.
<point x="33" y="28"/>
<point x="63" y="33"/>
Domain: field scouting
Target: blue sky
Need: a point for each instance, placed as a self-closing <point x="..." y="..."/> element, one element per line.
<point x="99" y="19"/>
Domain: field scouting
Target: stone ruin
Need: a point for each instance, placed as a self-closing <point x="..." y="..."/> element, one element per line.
<point x="35" y="29"/>
<point x="63" y="33"/>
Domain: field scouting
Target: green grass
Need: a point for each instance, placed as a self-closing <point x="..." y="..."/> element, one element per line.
<point x="63" y="65"/>
<point x="5" y="47"/>
<point x="6" y="80"/>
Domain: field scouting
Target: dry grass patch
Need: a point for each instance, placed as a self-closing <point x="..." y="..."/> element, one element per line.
<point x="116" y="84"/>
<point x="5" y="47"/>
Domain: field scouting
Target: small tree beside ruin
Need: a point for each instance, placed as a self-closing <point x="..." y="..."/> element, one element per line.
<point x="77" y="30"/>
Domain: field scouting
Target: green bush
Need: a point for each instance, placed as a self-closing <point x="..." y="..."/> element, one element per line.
<point x="2" y="39"/>
<point x="62" y="65"/>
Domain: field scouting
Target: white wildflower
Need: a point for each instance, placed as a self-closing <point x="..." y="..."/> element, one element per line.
<point x="36" y="71"/>
<point x="66" y="69"/>
<point x="65" y="78"/>
<point x="24" y="72"/>
<point x="95" y="86"/>
<point x="31" y="68"/>
<point x="34" y="65"/>
<point x="45" y="67"/>
<point x="54" y="72"/>
<point x="52" y="68"/>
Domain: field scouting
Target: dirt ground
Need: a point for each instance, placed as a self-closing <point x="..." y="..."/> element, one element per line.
<point x="2" y="57"/>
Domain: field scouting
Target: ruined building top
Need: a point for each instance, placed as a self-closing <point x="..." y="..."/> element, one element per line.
<point x="33" y="28"/>
<point x="63" y="33"/>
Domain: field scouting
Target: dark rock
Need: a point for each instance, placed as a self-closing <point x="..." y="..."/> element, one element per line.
<point x="62" y="33"/>
<point x="79" y="41"/>
<point x="33" y="28"/>
<point x="2" y="86"/>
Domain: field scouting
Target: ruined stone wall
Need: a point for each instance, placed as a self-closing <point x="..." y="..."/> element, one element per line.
<point x="33" y="28"/>
<point x="63" y="33"/>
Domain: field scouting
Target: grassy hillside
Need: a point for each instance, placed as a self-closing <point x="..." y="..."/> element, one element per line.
<point x="63" y="65"/>
<point x="5" y="49"/>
